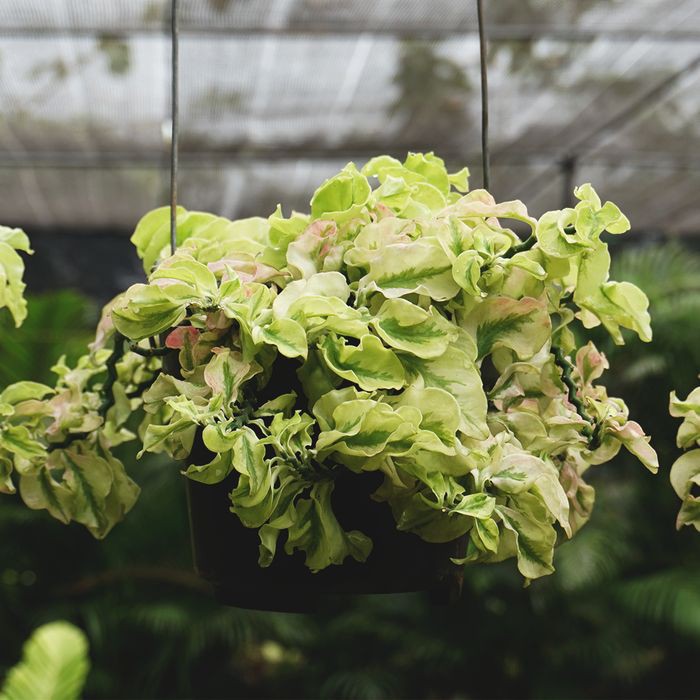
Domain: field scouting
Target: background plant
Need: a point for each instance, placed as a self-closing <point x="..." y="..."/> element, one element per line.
<point x="54" y="665"/>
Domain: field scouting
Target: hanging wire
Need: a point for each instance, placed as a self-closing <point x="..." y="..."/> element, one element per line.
<point x="485" y="165"/>
<point x="174" y="119"/>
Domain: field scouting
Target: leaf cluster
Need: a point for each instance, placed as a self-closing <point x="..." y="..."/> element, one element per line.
<point x="426" y="341"/>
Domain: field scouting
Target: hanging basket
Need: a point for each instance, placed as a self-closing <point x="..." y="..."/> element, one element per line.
<point x="225" y="552"/>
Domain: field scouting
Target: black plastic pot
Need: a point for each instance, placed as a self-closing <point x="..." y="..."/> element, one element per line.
<point x="225" y="552"/>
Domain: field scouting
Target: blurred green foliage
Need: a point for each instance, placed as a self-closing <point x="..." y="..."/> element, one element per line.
<point x="54" y="665"/>
<point x="620" y="618"/>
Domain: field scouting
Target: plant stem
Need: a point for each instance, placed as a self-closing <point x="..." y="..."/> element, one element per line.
<point x="108" y="386"/>
<point x="563" y="362"/>
<point x="521" y="247"/>
<point x="140" y="388"/>
<point x="148" y="352"/>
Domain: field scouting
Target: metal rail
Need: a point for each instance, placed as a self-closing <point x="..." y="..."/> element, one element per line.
<point x="504" y="33"/>
<point x="211" y="158"/>
<point x="582" y="146"/>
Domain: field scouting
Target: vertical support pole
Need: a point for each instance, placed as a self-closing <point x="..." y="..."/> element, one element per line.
<point x="174" y="115"/>
<point x="486" y="169"/>
<point x="568" y="171"/>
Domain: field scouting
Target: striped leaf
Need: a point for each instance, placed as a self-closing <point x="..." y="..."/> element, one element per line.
<point x="534" y="541"/>
<point x="411" y="268"/>
<point x="369" y="365"/>
<point x="226" y="373"/>
<point x="475" y="505"/>
<point x="456" y="374"/>
<point x="407" y="327"/>
<point x="523" y="325"/>
<point x="286" y="335"/>
<point x="365" y="428"/>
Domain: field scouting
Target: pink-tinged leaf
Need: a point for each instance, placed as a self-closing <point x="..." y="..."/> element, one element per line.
<point x="632" y="436"/>
<point x="182" y="334"/>
<point x="591" y="363"/>
<point x="247" y="270"/>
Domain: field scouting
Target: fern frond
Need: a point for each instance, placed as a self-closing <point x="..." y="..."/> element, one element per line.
<point x="53" y="667"/>
<point x="670" y="598"/>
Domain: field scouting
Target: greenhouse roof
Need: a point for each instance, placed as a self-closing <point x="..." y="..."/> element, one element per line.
<point x="276" y="95"/>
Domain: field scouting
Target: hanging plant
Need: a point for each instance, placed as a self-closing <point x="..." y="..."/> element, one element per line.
<point x="685" y="472"/>
<point x="400" y="328"/>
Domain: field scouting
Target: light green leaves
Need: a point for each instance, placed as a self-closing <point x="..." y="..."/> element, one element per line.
<point x="407" y="327"/>
<point x="88" y="486"/>
<point x="54" y="665"/>
<point x="384" y="312"/>
<point x="187" y="280"/>
<point x="226" y="373"/>
<point x="632" y="436"/>
<point x="251" y="497"/>
<point x="689" y="410"/>
<point x="369" y="365"/>
<point x="145" y="310"/>
<point x="24" y="391"/>
<point x="475" y="505"/>
<point x="685" y="477"/>
<point x="365" y="428"/>
<point x="534" y="539"/>
<point x="418" y="186"/>
<point x="11" y="272"/>
<point x="286" y="335"/>
<point x="342" y="197"/>
<point x="323" y="286"/>
<point x="318" y="534"/>
<point x="523" y="325"/>
<point x="613" y="304"/>
<point x="685" y="472"/>
<point x="518" y="472"/>
<point x="152" y="235"/>
<point x="411" y="268"/>
<point x="455" y="373"/>
<point x="592" y="218"/>
<point x="319" y="304"/>
<point x="18" y="440"/>
<point x="568" y="232"/>
<point x="466" y="271"/>
<point x="440" y="412"/>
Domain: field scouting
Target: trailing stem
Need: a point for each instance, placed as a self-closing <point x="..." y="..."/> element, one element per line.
<point x="563" y="362"/>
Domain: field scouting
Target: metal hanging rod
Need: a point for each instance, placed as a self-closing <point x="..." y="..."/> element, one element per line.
<point x="174" y="120"/>
<point x="483" y="66"/>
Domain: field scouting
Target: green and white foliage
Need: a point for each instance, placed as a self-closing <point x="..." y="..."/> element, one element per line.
<point x="401" y="327"/>
<point x="12" y="270"/>
<point x="685" y="472"/>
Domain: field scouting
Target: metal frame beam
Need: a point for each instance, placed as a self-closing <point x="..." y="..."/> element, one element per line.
<point x="503" y="33"/>
<point x="211" y="158"/>
<point x="581" y="148"/>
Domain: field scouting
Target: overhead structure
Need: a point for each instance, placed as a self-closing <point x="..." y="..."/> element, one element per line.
<point x="276" y="95"/>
